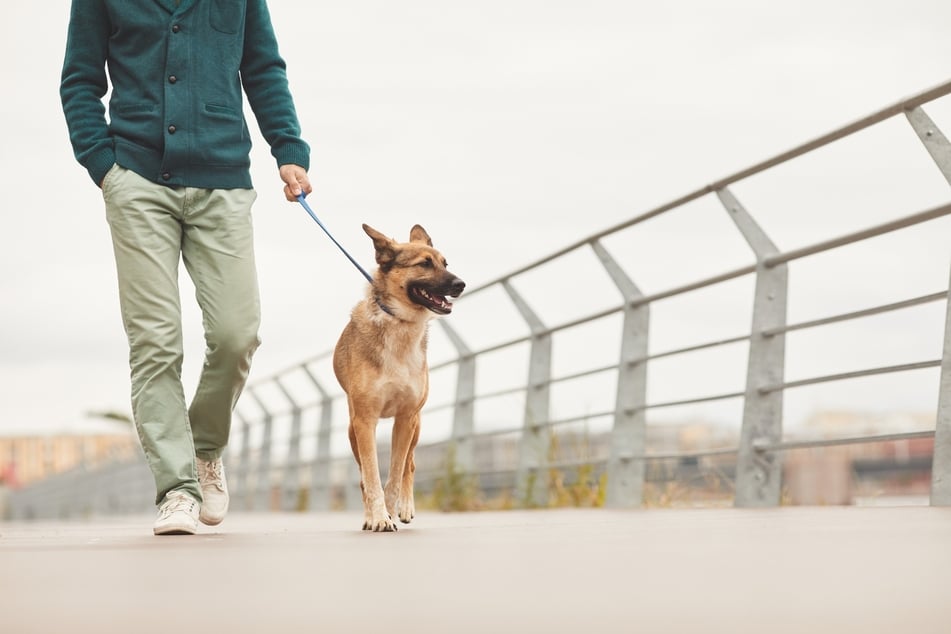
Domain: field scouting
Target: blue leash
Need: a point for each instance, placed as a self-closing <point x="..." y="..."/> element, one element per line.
<point x="310" y="211"/>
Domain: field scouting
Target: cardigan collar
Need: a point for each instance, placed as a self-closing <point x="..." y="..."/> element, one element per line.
<point x="173" y="6"/>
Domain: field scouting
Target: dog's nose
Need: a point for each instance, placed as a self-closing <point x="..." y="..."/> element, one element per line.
<point x="457" y="287"/>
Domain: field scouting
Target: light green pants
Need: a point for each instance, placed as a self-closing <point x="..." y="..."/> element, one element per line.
<point x="153" y="228"/>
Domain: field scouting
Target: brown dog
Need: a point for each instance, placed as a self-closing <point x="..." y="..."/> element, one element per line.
<point x="380" y="362"/>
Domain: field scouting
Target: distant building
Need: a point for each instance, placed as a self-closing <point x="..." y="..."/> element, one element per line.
<point x="27" y="459"/>
<point x="848" y="474"/>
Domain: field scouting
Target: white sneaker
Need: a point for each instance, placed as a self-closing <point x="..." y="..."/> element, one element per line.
<point x="214" y="490"/>
<point x="177" y="515"/>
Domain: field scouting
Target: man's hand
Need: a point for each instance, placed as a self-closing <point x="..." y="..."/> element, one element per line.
<point x="295" y="181"/>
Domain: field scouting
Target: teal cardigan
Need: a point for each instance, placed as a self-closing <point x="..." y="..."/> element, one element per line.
<point x="176" y="114"/>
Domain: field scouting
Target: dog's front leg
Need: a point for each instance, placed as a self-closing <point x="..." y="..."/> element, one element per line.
<point x="363" y="439"/>
<point x="407" y="502"/>
<point x="399" y="483"/>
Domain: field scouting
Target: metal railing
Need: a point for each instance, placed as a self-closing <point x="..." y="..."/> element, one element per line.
<point x="289" y="446"/>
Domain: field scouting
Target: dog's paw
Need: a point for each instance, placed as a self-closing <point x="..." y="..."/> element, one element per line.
<point x="382" y="524"/>
<point x="407" y="511"/>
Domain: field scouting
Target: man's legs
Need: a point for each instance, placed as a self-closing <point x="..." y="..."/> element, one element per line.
<point x="145" y="219"/>
<point x="219" y="254"/>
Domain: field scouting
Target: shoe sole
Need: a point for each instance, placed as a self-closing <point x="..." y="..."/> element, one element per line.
<point x="210" y="521"/>
<point x="175" y="530"/>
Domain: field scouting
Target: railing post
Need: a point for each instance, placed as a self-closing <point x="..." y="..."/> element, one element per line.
<point x="463" y="416"/>
<point x="292" y="486"/>
<point x="626" y="465"/>
<point x="531" y="473"/>
<point x="941" y="463"/>
<point x="244" y="463"/>
<point x="759" y="472"/>
<point x="320" y="484"/>
<point x="262" y="501"/>
<point x="932" y="138"/>
<point x="940" y="150"/>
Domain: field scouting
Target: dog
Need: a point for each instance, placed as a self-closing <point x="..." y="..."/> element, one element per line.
<point x="380" y="362"/>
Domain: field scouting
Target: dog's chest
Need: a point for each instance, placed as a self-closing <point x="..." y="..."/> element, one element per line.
<point x="403" y="377"/>
<point x="404" y="366"/>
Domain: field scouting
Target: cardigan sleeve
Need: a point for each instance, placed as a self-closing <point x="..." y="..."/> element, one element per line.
<point x="264" y="78"/>
<point x="83" y="84"/>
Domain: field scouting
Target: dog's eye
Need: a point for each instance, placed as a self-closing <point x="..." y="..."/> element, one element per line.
<point x="426" y="264"/>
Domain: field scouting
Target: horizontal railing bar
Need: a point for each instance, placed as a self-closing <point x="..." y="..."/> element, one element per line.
<point x="878" y="116"/>
<point x="851" y="440"/>
<point x="503" y="392"/>
<point x="276" y="375"/>
<point x="689" y="401"/>
<point x="562" y="464"/>
<point x="286" y="410"/>
<point x="646" y="299"/>
<point x="701" y="346"/>
<point x="428" y="409"/>
<point x="597" y="236"/>
<point x="850" y="375"/>
<point x="727" y="451"/>
<point x="686" y="288"/>
<point x="866" y="312"/>
<point x="723" y="277"/>
<point x="493" y="432"/>
<point x="554" y="422"/>
<point x="659" y="355"/>
<point x="505" y="344"/>
<point x="856" y="236"/>
<point x="515" y="390"/>
<point x="700" y="453"/>
<point x="584" y="373"/>
<point x="548" y="423"/>
<point x="867" y="121"/>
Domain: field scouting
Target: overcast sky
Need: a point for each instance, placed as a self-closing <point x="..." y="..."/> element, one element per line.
<point x="509" y="128"/>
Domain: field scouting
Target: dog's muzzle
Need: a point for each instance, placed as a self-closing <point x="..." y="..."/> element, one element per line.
<point x="437" y="299"/>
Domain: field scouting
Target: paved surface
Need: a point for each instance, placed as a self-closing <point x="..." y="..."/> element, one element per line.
<point x="788" y="570"/>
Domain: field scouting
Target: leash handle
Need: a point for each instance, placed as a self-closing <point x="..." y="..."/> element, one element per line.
<point x="300" y="199"/>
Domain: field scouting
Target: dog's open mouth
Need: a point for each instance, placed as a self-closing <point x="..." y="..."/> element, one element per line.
<point x="439" y="304"/>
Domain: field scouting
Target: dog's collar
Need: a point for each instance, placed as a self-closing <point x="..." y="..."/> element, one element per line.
<point x="386" y="309"/>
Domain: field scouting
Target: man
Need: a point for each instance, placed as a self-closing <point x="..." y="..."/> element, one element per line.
<point x="173" y="165"/>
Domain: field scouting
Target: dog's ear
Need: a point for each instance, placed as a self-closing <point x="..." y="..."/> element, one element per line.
<point x="418" y="234"/>
<point x="385" y="248"/>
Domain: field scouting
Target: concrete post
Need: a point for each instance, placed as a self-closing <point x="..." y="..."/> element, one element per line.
<point x="243" y="466"/>
<point x="941" y="464"/>
<point x="320" y="477"/>
<point x="626" y="466"/>
<point x="531" y="473"/>
<point x="291" y="487"/>
<point x="940" y="150"/>
<point x="759" y="472"/>
<point x="463" y="417"/>
<point x="262" y="498"/>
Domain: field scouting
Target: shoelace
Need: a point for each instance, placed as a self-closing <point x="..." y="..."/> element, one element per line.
<point x="209" y="473"/>
<point x="175" y="502"/>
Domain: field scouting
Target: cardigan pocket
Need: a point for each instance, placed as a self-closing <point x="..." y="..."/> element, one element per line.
<point x="222" y="136"/>
<point x="137" y="123"/>
<point x="227" y="15"/>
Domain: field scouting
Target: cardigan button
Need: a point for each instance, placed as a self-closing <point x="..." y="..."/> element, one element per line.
<point x="176" y="28"/>
<point x="166" y="176"/>
<point x="172" y="129"/>
<point x="172" y="79"/>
